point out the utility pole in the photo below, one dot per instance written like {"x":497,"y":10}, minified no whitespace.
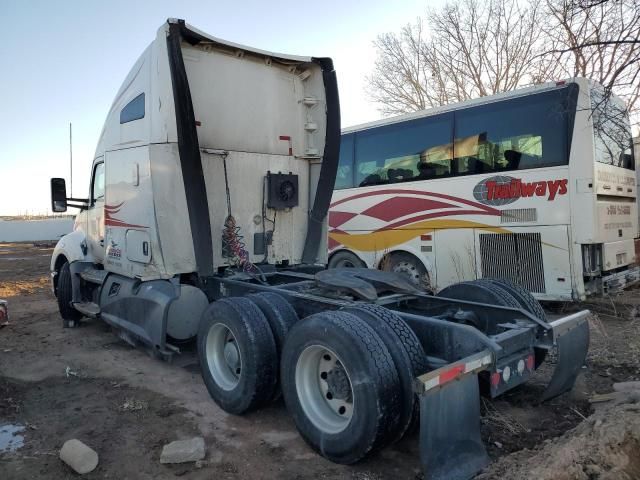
{"x":70,"y":163}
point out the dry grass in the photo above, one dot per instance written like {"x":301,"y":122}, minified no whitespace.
{"x":10,"y":289}
{"x":491,"y":415}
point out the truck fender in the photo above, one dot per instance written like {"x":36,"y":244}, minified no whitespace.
{"x":71,"y":248}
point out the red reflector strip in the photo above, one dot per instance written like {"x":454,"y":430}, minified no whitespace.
{"x":450,"y":374}
{"x":469,"y":365}
{"x":426,"y":237}
{"x":495,"y":379}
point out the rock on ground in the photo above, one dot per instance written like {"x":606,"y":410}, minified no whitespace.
{"x":182,"y":451}
{"x":78,"y":456}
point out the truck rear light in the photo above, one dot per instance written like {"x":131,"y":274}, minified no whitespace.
{"x":530,"y":362}
{"x":495,"y":379}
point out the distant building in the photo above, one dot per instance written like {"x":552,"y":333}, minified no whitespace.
{"x":18,"y":230}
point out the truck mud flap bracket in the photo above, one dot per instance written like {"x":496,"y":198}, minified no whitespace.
{"x":450,"y":444}
{"x":571,"y":338}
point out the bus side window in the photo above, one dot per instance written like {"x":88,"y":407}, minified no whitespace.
{"x":521,"y":133}
{"x":414,"y":150}
{"x":344,"y":175}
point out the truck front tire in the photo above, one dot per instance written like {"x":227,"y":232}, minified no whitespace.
{"x":70,"y":316}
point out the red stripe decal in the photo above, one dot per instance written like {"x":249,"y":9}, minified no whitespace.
{"x":426,"y":216}
{"x":396,"y":191}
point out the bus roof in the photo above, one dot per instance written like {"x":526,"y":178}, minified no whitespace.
{"x":464,"y":104}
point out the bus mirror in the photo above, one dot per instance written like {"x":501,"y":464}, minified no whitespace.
{"x":58,"y":195}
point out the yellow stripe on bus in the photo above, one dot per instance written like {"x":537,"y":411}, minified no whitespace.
{"x":383,"y":239}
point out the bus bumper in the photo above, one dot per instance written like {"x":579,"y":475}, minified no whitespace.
{"x":621,"y":280}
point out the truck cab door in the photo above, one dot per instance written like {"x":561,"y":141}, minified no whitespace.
{"x":95,"y":214}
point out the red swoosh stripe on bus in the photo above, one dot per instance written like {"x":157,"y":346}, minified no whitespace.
{"x":416,"y":192}
{"x":426,"y":216}
{"x":401,"y":206}
{"x":395,"y":207}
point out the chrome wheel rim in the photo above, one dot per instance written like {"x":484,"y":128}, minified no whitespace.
{"x":409,"y":270}
{"x":324,"y":389}
{"x":224,"y":358}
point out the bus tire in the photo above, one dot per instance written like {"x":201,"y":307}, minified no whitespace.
{"x":331,"y":362}
{"x":408,"y":265}
{"x":407,"y":353}
{"x":70,"y":316}
{"x":237,"y":355}
{"x":345,"y":259}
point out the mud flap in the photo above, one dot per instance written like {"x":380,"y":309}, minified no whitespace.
{"x":450,"y":444}
{"x":571,"y":338}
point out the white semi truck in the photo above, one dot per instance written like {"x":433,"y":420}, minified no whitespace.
{"x":206,"y":221}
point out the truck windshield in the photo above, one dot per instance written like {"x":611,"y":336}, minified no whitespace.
{"x":611,"y":130}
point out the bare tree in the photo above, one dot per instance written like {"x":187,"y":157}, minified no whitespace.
{"x":472,"y":48}
{"x":599,"y":39}
{"x":467,"y":49}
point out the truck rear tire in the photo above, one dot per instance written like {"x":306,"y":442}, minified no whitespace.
{"x":407,"y":353}
{"x":523,"y":296}
{"x":70,"y":316}
{"x":278,"y":312}
{"x":529,"y":304}
{"x":341,"y":386}
{"x":237,"y":355}
{"x":281,"y":317}
{"x":480,"y":291}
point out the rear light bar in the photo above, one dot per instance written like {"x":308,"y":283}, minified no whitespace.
{"x":441,"y":376}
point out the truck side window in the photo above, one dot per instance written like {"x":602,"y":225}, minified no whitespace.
{"x":134,"y":110}
{"x":97,"y":187}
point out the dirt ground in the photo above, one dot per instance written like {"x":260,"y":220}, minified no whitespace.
{"x":86,"y":383}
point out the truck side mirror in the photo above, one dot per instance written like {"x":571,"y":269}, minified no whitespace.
{"x":58,"y":195}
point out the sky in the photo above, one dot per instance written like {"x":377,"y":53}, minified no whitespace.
{"x":63,"y":61}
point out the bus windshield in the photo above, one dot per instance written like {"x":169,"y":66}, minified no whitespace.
{"x":611,"y":131}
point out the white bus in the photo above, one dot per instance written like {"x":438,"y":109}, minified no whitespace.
{"x":536,"y":186}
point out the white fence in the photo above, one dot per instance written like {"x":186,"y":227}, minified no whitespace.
{"x":34,"y":230}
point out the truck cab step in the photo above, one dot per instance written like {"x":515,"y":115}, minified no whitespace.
{"x":89,"y":309}
{"x":93,"y":275}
